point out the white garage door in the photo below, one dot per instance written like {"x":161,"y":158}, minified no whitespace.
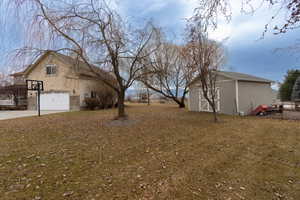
{"x":55,"y":101}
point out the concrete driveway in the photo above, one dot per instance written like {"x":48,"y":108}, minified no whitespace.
{"x":23,"y":113}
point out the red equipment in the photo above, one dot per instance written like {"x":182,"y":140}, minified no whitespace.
{"x":260,"y":110}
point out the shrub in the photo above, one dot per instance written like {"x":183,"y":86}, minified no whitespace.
{"x":107,"y":99}
{"x":102,"y":100}
{"x":92,"y":103}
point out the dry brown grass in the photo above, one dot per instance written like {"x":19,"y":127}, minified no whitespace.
{"x":169,"y":153}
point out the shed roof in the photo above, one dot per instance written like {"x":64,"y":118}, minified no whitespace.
{"x":243,"y":77}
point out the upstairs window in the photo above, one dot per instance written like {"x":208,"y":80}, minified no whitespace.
{"x":50,"y":69}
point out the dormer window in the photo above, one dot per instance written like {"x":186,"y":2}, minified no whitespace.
{"x":50,"y":69}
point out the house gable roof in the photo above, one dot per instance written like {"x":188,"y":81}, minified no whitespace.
{"x":81,"y":67}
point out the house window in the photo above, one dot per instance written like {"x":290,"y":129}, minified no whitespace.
{"x":50,"y":69}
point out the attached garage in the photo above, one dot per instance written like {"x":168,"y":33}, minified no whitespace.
{"x":55,"y":101}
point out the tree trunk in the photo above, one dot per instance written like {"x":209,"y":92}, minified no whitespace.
{"x":181,"y":105}
{"x":215,"y":113}
{"x":121,"y":105}
{"x":215,"y":116}
{"x":16,"y":100}
{"x":148,"y":96}
{"x":179,"y":102}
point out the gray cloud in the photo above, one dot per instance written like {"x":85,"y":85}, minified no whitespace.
{"x":269,"y":57}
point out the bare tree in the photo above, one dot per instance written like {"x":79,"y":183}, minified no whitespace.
{"x":206,"y":56}
{"x":93,"y":31}
{"x":5,"y":79}
{"x":167,"y":71}
{"x":209,"y":11}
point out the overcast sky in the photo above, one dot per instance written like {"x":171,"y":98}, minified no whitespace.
{"x":247,"y":53}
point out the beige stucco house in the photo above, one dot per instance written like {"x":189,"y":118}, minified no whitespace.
{"x":67,"y":82}
{"x":237,"y":93}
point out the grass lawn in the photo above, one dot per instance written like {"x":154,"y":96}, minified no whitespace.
{"x":163,"y":153}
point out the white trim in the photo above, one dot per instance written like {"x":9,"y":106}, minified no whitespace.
{"x":189,"y":100}
{"x":53,"y":67}
{"x":8,"y":102}
{"x":199,"y":96}
{"x":237,"y":96}
{"x":218,"y":101}
{"x":220,"y":81}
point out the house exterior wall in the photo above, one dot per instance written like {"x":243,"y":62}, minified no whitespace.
{"x":61,"y":81}
{"x":86,"y":86}
{"x":31,"y":103}
{"x":65,"y":80}
{"x":19,"y":80}
{"x":253,"y":94}
{"x":75,"y":102}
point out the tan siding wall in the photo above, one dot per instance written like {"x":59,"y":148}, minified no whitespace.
{"x":31,"y":103}
{"x":75,"y":102}
{"x":57,"y":82}
{"x":65,"y":80}
{"x":86,"y":86}
{"x":194,"y":98}
{"x":252,"y":94}
{"x":227,"y":97}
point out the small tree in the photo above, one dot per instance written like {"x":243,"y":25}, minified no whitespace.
{"x":206,"y":56}
{"x":286,"y":88}
{"x":4,"y":79}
